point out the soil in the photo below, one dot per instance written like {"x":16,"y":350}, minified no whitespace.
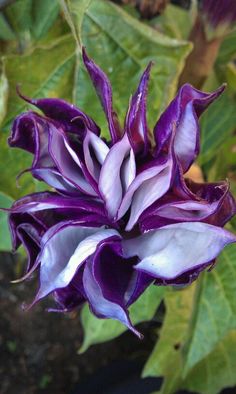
{"x":38,"y":350}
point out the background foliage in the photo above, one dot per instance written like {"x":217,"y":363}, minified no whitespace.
{"x":40,"y":45}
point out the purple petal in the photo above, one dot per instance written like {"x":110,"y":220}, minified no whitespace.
{"x":180,"y":121}
{"x":106,"y":277}
{"x":136,"y":122}
{"x":64,"y":249}
{"x":211,"y":203}
{"x":95,"y":153}
{"x":71,"y":118}
{"x":170,"y":251}
{"x":104,"y":92}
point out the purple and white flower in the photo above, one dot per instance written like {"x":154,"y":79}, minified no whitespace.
{"x":121,"y":216}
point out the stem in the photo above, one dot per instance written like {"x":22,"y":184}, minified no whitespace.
{"x":200,"y":62}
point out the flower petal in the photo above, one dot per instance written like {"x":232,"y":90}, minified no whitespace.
{"x":64,"y":249}
{"x":110,"y":182}
{"x":106,"y":277}
{"x":136,"y":122}
{"x":104,"y":92}
{"x":177,"y":248}
{"x":146,"y":188}
{"x":180,"y":120}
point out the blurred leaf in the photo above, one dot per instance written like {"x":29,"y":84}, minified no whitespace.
{"x":231,"y":76}
{"x":214,"y":313}
{"x":166,"y":352}
{"x":122,"y":46}
{"x":25,"y":20}
{"x":217,"y":125}
{"x":74,"y":11}
{"x":228,"y":49}
{"x":175,"y":22}
{"x":102,"y":330}
{"x":217,"y":370}
{"x":44,"y":72}
{"x":3,"y":94}
{"x":5,"y":239}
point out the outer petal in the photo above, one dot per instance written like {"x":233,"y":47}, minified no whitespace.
{"x":106,"y":278}
{"x":71,"y":118}
{"x":170,"y":251}
{"x":136,"y":122}
{"x":211,"y":203}
{"x":181,"y":120}
{"x":64,"y":249}
{"x":104,"y":92}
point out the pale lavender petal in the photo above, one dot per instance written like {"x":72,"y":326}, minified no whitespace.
{"x":95,"y":153}
{"x":110,"y":182}
{"x":177,"y":248}
{"x":146,"y":188}
{"x":64,"y":249}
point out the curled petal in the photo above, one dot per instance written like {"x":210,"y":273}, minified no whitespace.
{"x":104,"y":92}
{"x":71,"y":118}
{"x":106,"y":277}
{"x":211,"y":203}
{"x":170,"y":251}
{"x":180,"y":123}
{"x":64,"y":248}
{"x":136,"y":121}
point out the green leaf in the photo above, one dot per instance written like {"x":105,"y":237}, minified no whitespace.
{"x":74,"y":11}
{"x":3,"y":94}
{"x":27,"y":20}
{"x":217,"y":125}
{"x":51,"y":75}
{"x":5,"y":239}
{"x":227,"y":50}
{"x":102,"y":330}
{"x":122,"y":46}
{"x":216,"y":371}
{"x":214,"y":314}
{"x":166,"y":352}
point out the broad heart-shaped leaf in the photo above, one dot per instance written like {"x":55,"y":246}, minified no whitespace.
{"x":214,"y":313}
{"x":5,"y":239}
{"x":210,"y":375}
{"x":122,"y":46}
{"x":166,"y":352}
{"x":217,"y":125}
{"x":102,"y":330}
{"x":46,"y":72}
{"x":216,"y":371}
{"x":27,"y":19}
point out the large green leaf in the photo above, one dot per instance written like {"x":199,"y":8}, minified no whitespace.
{"x":101,"y":330}
{"x":211,"y":374}
{"x":47,"y":71}
{"x":217,"y":125}
{"x":27,"y":19}
{"x":214,"y":314}
{"x":216,"y":371}
{"x":166,"y":352}
{"x":5,"y":239}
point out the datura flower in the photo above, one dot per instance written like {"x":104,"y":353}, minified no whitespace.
{"x":120,"y":215}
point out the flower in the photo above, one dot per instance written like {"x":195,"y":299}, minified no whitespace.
{"x":219,"y":16}
{"x":122,"y":216}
